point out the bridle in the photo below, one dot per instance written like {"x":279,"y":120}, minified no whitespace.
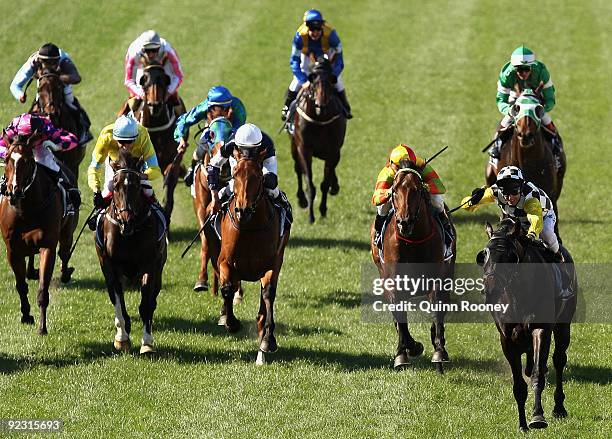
{"x":310,"y":95}
{"x":411,"y":220}
{"x":18,"y":195}
{"x":249,"y":210}
{"x":60,"y":92}
{"x":115,"y":215}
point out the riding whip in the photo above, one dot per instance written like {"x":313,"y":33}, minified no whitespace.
{"x":81,"y":232}
{"x":461,"y":205}
{"x":195,"y":238}
{"x":436,"y":154}
{"x":489,"y":145}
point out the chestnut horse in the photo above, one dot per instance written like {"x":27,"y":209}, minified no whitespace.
{"x":251,"y":249}
{"x":530,"y":149}
{"x":156,"y":113}
{"x":32,"y":221}
{"x":131,"y":243}
{"x":413,"y":237}
{"x":320,"y":126}
{"x":506,"y":282}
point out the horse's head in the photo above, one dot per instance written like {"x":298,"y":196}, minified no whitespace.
{"x":154,"y":81}
{"x":20,"y":167}
{"x":322,"y":83}
{"x":527,"y":112}
{"x":248,"y":183}
{"x":50,"y":92}
{"x":128,"y":203}
{"x":501,"y":254}
{"x":408,"y":194}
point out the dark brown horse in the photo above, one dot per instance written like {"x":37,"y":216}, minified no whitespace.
{"x":530,"y":149}
{"x":251,"y":249}
{"x":32,"y":221}
{"x":413,"y":237}
{"x":506,"y":261}
{"x":157,"y":114}
{"x":131,"y":243}
{"x":51,"y":102}
{"x":320,"y":126}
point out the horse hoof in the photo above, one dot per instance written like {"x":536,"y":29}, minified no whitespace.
{"x":42,"y":331}
{"x":222,"y":320}
{"x":261,"y":359}
{"x":334,"y":189}
{"x":559,"y":412}
{"x":416,"y":350}
{"x":311,"y":219}
{"x":200,"y":285}
{"x":538,"y":421}
{"x":323,"y":212}
{"x":302,"y":202}
{"x":28,"y":320}
{"x":237,"y":298}
{"x":233,"y":325}
{"x":269,"y":345}
{"x":147,"y":349}
{"x":67,"y":275}
{"x":440,"y":356}
{"x":400,"y":361}
{"x":122,"y":346}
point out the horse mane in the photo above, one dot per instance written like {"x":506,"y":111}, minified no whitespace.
{"x":408,"y":164}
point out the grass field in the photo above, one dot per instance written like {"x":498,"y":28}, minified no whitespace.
{"x":422,"y":73}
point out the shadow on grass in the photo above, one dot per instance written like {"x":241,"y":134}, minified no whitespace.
{"x":183,"y":235}
{"x":78,"y":283}
{"x":345,"y":244}
{"x":345,"y":299}
{"x":588,"y":374}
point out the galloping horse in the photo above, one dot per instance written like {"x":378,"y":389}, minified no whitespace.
{"x":155,"y":113}
{"x":32,"y":221}
{"x":220,"y":130}
{"x":413,"y":237}
{"x":530,"y":149}
{"x":50,"y":101}
{"x":502,"y":261}
{"x":131,"y":242}
{"x":320,"y":126}
{"x":252,"y":248}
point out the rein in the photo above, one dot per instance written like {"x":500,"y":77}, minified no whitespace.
{"x":113,"y":219}
{"x":309,"y":96}
{"x":253,"y":207}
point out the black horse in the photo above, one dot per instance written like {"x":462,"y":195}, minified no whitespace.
{"x":518,"y":274}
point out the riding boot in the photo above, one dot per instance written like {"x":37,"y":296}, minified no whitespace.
{"x":189,"y":176}
{"x":501,"y":136}
{"x":93,"y":222}
{"x":291,"y":95}
{"x":449,"y":235}
{"x":73,"y":194}
{"x":556,"y":144}
{"x":282,"y":201}
{"x":345,"y":104}
{"x":379,"y":222}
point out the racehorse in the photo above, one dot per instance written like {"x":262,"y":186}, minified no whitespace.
{"x":413,"y":237}
{"x":506,"y":260}
{"x":156,"y":113}
{"x":530,"y":149}
{"x":50,"y":101}
{"x":32,"y":221}
{"x":131,"y":242}
{"x":320,"y":126}
{"x":251,"y":248}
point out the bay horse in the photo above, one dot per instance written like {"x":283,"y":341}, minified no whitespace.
{"x":320,"y":127}
{"x":220,"y":130}
{"x":157,"y":115}
{"x":413,"y":237}
{"x":507,"y":282}
{"x":32,"y":221}
{"x":130,"y":242}
{"x":251,"y":248}
{"x":530,"y":149}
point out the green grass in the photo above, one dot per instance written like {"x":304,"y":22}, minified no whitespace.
{"x":419,"y":73}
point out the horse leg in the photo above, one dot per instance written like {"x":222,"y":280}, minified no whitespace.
{"x":541,"y":346}
{"x":18,"y":265}
{"x":306,"y":157}
{"x":519,"y":387}
{"x":437,"y":334}
{"x":407,"y":347}
{"x":170,"y":182}
{"x":148,"y":302}
{"x":65,"y":243}
{"x":202,"y":283}
{"x":329,"y":176}
{"x":268,"y":295}
{"x":228,"y":289}
{"x":562,"y":341}
{"x":297,"y":166}
{"x":32,"y":272}
{"x":123,"y":322}
{"x":47,"y":261}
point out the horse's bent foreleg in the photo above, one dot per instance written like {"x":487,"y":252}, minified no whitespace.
{"x":541,"y":346}
{"x":562,"y":341}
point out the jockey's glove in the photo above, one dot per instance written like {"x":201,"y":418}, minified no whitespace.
{"x":270,"y":180}
{"x":477,"y":195}
{"x":532,"y":236}
{"x":98,"y":200}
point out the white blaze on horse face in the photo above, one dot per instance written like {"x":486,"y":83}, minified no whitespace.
{"x":121,"y":334}
{"x":16,"y":157}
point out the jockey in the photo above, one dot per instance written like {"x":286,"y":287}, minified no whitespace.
{"x":219,"y":102}
{"x":149,"y":46}
{"x":384,"y":182}
{"x":49,"y":56}
{"x":315,"y":36}
{"x":128,"y":134}
{"x":524,"y":72}
{"x":248,"y":138}
{"x":49,"y":139}
{"x":523,"y":201}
